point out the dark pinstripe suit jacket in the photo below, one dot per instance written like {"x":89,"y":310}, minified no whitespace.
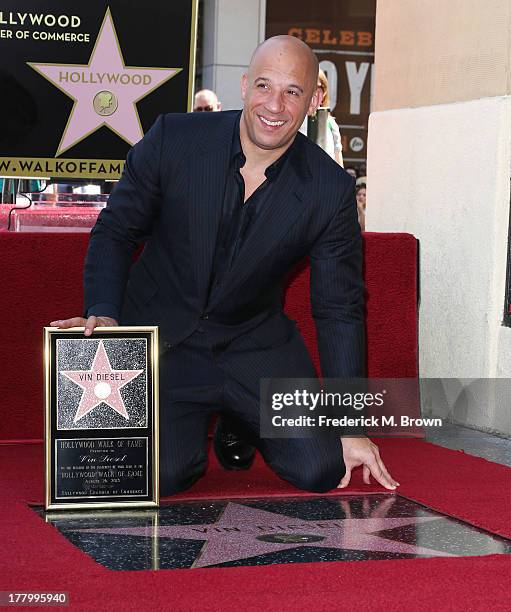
{"x":170,"y":197}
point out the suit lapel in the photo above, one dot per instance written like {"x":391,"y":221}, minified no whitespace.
{"x":208,"y":171}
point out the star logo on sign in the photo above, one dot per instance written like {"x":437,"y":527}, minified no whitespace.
{"x":105,"y":91}
{"x":101,"y":384}
{"x":242,"y":532}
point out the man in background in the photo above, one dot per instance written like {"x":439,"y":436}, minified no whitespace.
{"x":206,"y":101}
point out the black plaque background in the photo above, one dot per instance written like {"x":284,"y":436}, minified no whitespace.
{"x":134,"y":455}
{"x":151,"y":34}
{"x":85,"y":434}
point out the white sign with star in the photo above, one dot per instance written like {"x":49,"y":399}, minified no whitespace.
{"x":105,"y":91}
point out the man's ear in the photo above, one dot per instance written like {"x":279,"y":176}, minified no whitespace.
{"x":317,"y":98}
{"x":244,"y":86}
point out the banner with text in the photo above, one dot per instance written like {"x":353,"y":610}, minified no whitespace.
{"x":342,"y":36}
{"x":82,"y":83}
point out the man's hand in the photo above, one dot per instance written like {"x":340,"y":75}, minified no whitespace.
{"x":361,"y":451}
{"x":89,"y":323}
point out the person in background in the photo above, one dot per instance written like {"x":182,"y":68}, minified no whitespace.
{"x":334,"y":146}
{"x":351,"y":171}
{"x":206,"y":101}
{"x":361,"y":205}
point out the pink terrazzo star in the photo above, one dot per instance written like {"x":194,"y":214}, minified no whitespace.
{"x":101,"y":384}
{"x":104,"y":90}
{"x":234,"y":535}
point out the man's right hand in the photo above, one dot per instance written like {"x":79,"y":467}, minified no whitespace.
{"x":89,"y":323}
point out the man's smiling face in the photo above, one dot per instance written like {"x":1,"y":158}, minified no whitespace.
{"x":278,"y":91}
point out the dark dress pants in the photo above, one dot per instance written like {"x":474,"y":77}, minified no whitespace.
{"x":198,"y":379}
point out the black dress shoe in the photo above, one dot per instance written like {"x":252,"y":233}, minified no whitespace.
{"x":231,"y":450}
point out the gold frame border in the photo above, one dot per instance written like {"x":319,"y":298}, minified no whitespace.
{"x":193,"y":53}
{"x":154,"y":351}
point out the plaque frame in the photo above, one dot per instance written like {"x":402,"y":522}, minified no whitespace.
{"x":144,"y":432}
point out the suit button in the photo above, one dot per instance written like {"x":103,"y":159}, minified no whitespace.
{"x":167,"y":345}
{"x":205,"y":317}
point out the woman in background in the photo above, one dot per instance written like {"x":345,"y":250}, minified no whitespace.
{"x":361,"y":205}
{"x":334,"y":145}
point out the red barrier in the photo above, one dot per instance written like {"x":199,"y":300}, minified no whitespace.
{"x":42,"y":280}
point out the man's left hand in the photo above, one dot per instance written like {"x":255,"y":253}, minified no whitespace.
{"x":361,"y":451}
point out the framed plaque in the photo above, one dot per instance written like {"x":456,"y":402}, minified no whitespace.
{"x":101,"y":417}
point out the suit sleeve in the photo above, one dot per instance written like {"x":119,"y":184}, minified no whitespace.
{"x":126,"y":221}
{"x":337,"y":292}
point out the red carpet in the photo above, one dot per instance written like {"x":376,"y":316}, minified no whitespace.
{"x":35,"y":556}
{"x":41,"y":282}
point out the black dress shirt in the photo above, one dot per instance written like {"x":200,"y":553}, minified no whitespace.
{"x":238,"y":215}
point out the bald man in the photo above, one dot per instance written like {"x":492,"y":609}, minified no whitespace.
{"x":207,"y":101}
{"x":226,"y":204}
